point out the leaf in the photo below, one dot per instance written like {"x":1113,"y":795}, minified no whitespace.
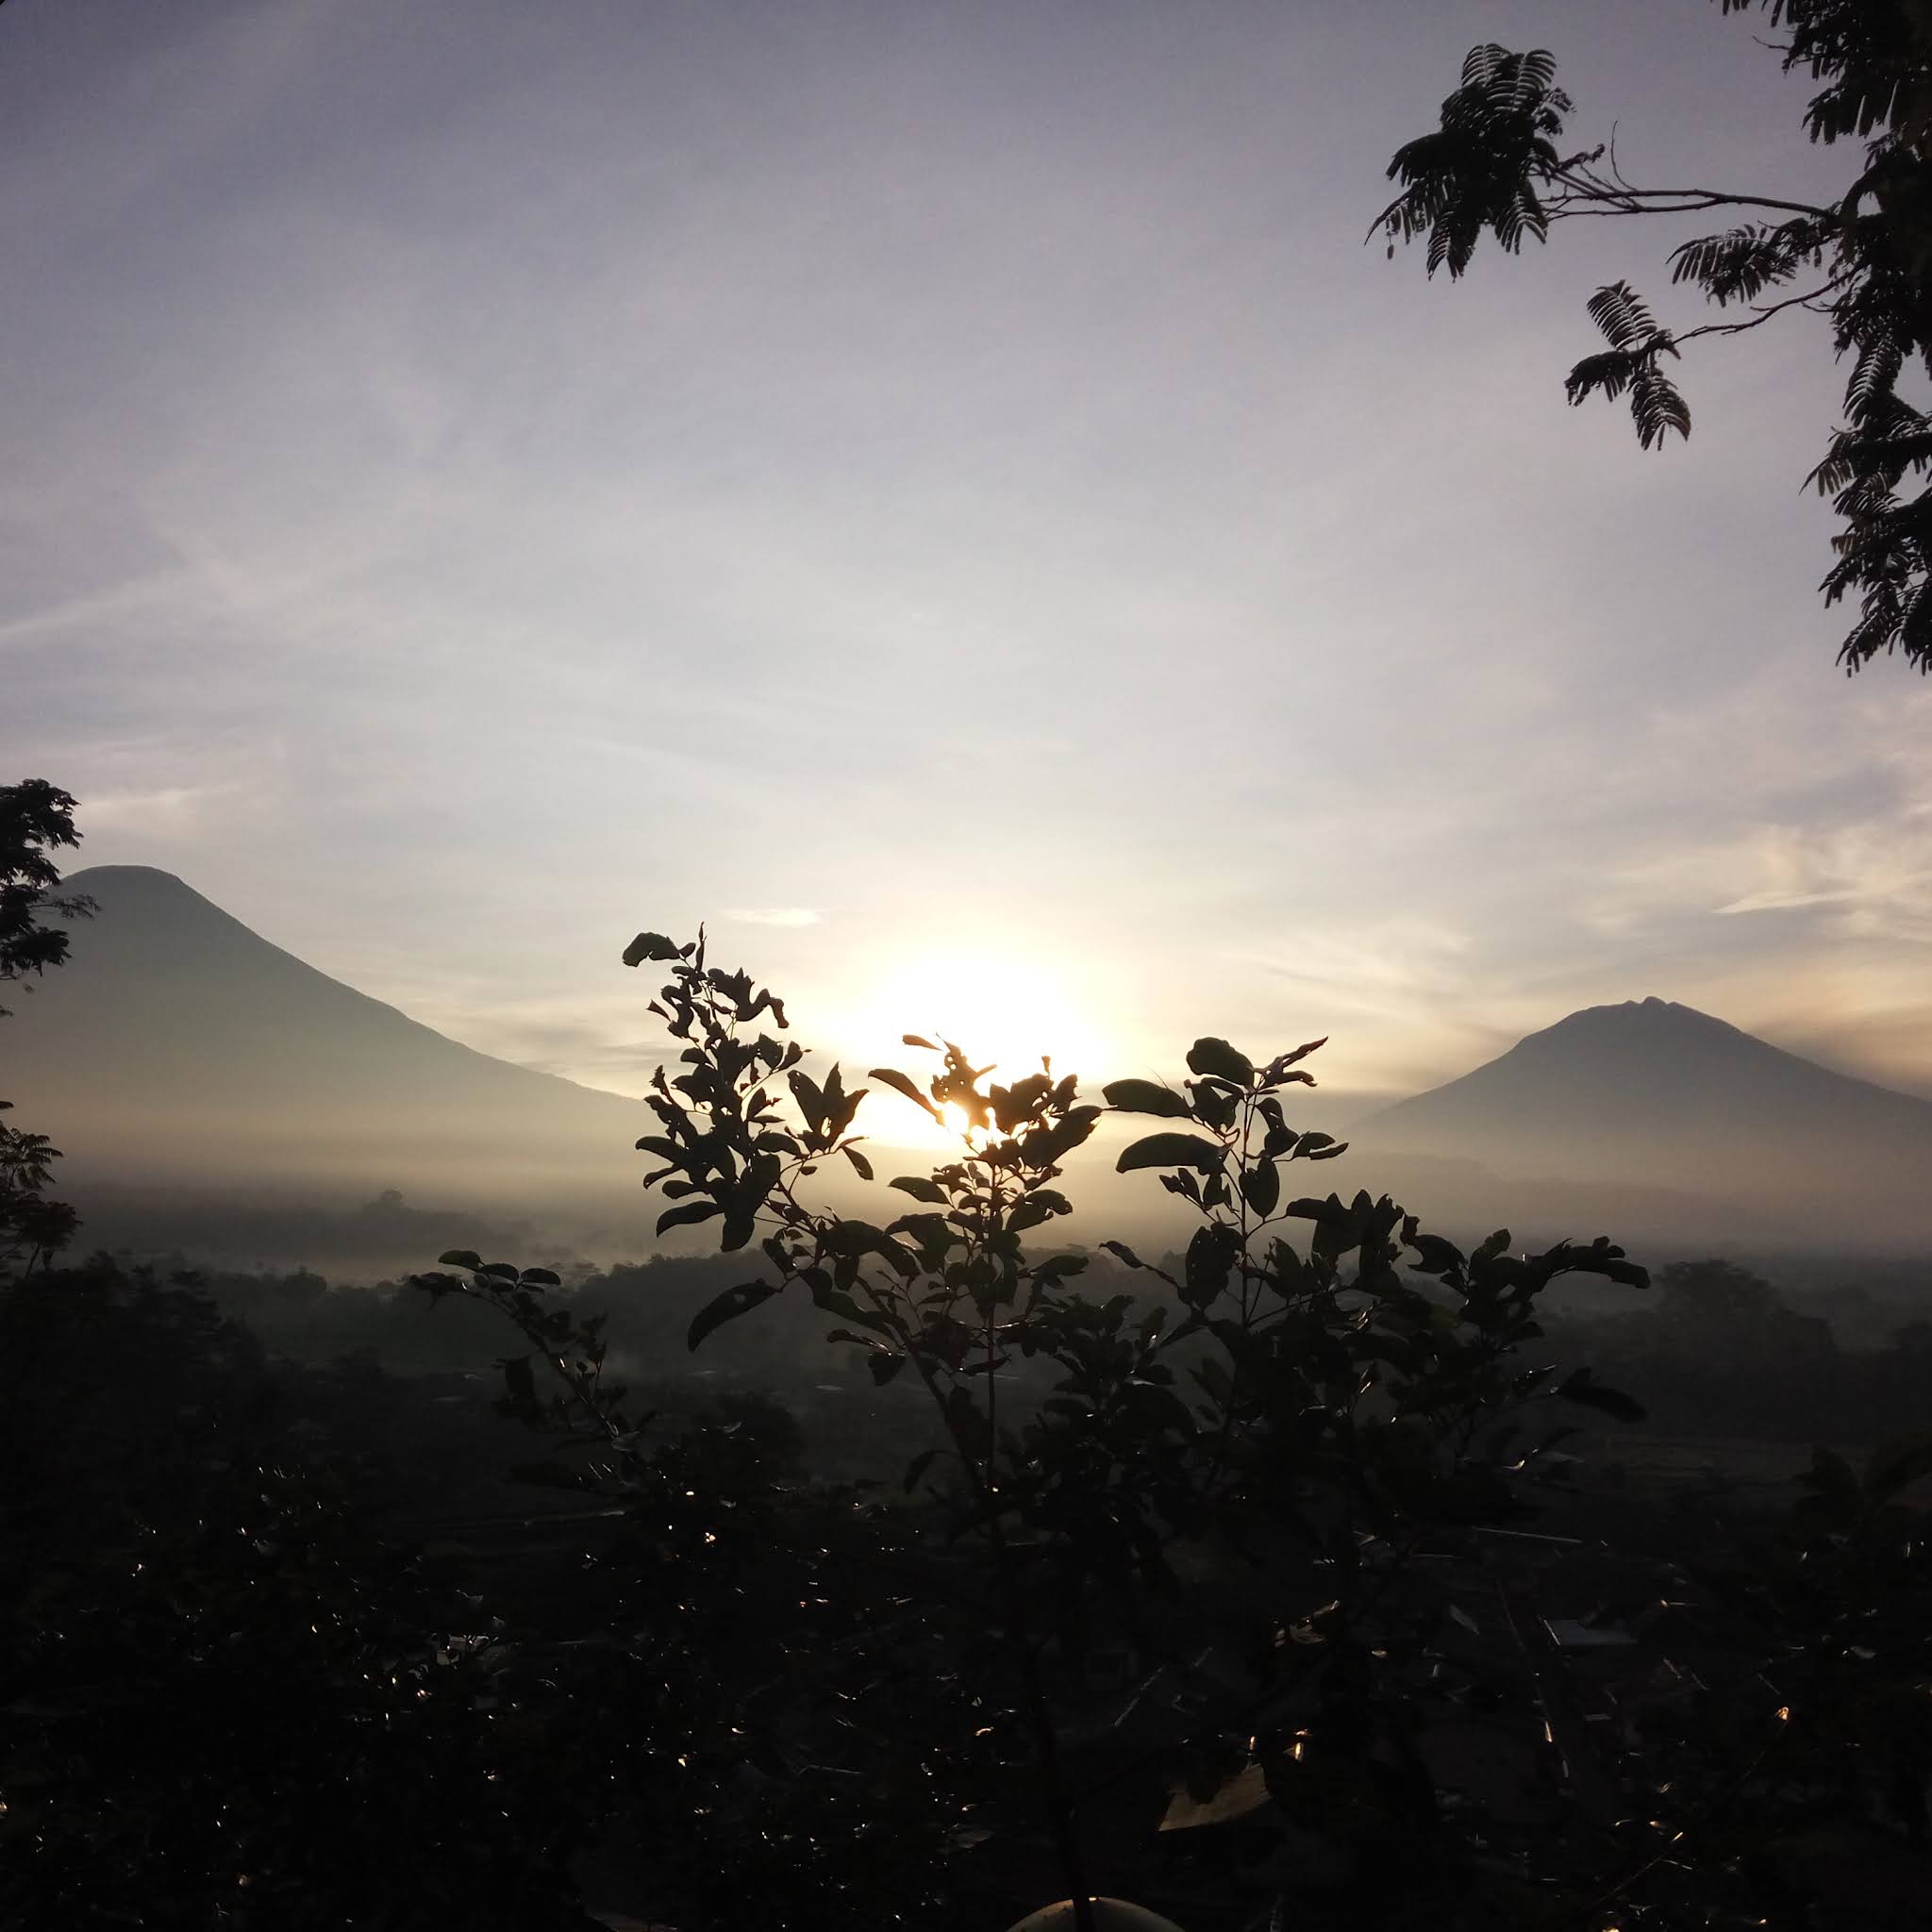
{"x":1041,"y":1205}
{"x":461,"y":1258}
{"x":920,"y":1188}
{"x":1611,"y":371}
{"x":1896,"y":1463}
{"x":1261,"y":1187}
{"x":861,"y":1165}
{"x":649,"y":945}
{"x":1145,"y":1096}
{"x":1278,"y":1066}
{"x":855,"y":1238}
{"x":1059,"y":1267}
{"x":914,"y":1040}
{"x":1740,"y":264}
{"x":1582,"y":1387}
{"x":1171,"y":1150}
{"x":1213,"y":1375}
{"x":1211,"y":1055}
{"x":541,"y":1277}
{"x":1120,"y":1252}
{"x":1656,"y":406}
{"x":1621,"y":313}
{"x":689,"y":1215}
{"x":899,"y":1083}
{"x":1210,"y":1259}
{"x":917,"y":1468}
{"x":728,"y":1306}
{"x":1436,"y":1255}
{"x":809,"y":1097}
{"x":500,"y":1271}
{"x":1605,"y":1258}
{"x":884,"y":1367}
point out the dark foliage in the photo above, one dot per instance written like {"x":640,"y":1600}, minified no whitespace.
{"x":1291,"y":1423}
{"x":1863,"y":261}
{"x":229,"y":1703}
{"x":36,"y":819}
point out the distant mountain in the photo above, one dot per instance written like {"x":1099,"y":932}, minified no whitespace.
{"x":1654,"y":1095}
{"x":177,"y":1047}
{"x":213,"y":1093}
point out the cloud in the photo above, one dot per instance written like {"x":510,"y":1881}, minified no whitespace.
{"x":775,"y":915}
{"x":426,"y":556}
{"x":178,"y":811}
{"x":1869,"y":880}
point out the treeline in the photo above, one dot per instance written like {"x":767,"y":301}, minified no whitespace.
{"x":301,"y":1315}
{"x":1715,"y":1349}
{"x":240,"y":1692}
{"x":1719,"y":1351}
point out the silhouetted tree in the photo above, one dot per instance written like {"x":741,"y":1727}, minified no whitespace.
{"x":36,"y":819}
{"x":1301,"y":1416}
{"x":1863,"y":261}
{"x":228,"y":1703}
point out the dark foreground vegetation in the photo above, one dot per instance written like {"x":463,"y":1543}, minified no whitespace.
{"x":1272,"y":1583}
{"x":1301,"y":1578}
{"x":1265,"y":1584}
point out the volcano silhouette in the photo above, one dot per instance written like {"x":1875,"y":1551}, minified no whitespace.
{"x":1651,"y":1093}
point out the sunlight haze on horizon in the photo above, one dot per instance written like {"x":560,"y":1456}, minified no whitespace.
{"x":944,"y":495}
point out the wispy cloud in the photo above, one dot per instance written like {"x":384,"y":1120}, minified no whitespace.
{"x":775,"y":915}
{"x":178,"y":811}
{"x":484,"y":479}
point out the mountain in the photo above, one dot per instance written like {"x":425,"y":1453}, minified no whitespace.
{"x":1657,"y":1096}
{"x":215,"y":1094}
{"x":179,"y":1050}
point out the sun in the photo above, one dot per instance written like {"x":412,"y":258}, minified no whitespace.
{"x":1003,"y":1013}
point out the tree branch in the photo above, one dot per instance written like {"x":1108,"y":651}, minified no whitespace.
{"x":1764,"y":312}
{"x":1662,"y":201}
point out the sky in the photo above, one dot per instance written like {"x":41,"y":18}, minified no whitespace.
{"x":944,"y":494}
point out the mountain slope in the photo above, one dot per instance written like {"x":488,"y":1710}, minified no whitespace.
{"x":176,"y":1044}
{"x":1652,"y":1093}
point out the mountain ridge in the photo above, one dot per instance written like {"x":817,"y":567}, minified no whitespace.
{"x":122,"y":882}
{"x":178,"y":1046}
{"x":1661,"y":1094}
{"x":177,"y":1040}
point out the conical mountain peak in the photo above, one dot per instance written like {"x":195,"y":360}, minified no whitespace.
{"x":177,"y":1040}
{"x":1655,"y":1093}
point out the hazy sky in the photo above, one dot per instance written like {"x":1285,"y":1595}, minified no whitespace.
{"x":942,"y":492}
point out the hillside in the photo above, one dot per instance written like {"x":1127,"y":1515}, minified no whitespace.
{"x":1650,"y":1094}
{"x":179,"y":1050}
{"x":215,"y":1093}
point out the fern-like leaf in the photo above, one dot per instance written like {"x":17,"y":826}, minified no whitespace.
{"x":1742,"y":263}
{"x":1656,"y":405}
{"x":1621,"y":313}
{"x":1481,"y":168}
{"x":1610,"y":373}
{"x":1915,"y":622}
{"x":1874,"y":377}
{"x":1481,"y":64}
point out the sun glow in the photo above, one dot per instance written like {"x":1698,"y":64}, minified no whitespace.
{"x":1006,"y":1014}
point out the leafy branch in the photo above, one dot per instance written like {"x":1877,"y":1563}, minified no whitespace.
{"x":1496,"y":166}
